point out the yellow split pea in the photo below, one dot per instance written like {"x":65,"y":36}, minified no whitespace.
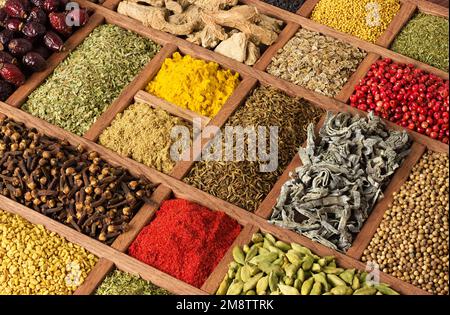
{"x":194,"y":84}
{"x":34,"y":260}
{"x":366,"y":19}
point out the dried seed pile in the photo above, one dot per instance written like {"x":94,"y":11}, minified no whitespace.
{"x":269,"y":266}
{"x":412,"y":241}
{"x":83,"y":86}
{"x":343,"y":175}
{"x":67,"y":183}
{"x":122,"y":283}
{"x":317,"y":62}
{"x":143,"y":134}
{"x":185,"y":240}
{"x":366,"y":19}
{"x":242,"y":183}
{"x":289,"y":5}
{"x":425,"y":38}
{"x":34,"y":260}
{"x":194,"y":84}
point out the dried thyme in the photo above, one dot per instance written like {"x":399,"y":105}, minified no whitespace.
{"x":242,"y":183}
{"x":425,"y":38}
{"x":87,"y":82}
{"x":121,"y":283}
{"x":317,"y":62}
{"x":342,"y":177}
{"x":143,"y":134}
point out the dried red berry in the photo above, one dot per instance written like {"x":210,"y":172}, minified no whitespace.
{"x":77,"y":17}
{"x":34,"y":61}
{"x":15,"y":9}
{"x":34,"y":29}
{"x":12,"y":74}
{"x":19,"y":46}
{"x":51,"y":5}
{"x":53,"y":41}
{"x":58,"y":22}
{"x":7,"y":58}
{"x":14,"y":24}
{"x":5,"y":36}
{"x":37,"y":15}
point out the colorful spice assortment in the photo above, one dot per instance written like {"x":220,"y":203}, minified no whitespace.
{"x":28,"y":35}
{"x":412,"y":240}
{"x":407,"y":96}
{"x":81,"y":88}
{"x":122,"y":283}
{"x":242,"y":183}
{"x":317,"y":62}
{"x":194,"y":84}
{"x":67,"y":183}
{"x":236,"y":31}
{"x":330,"y":196}
{"x":425,"y":38}
{"x":185,"y":240}
{"x":366,"y":19}
{"x":143,"y":134}
{"x":289,"y":5}
{"x":34,"y":260}
{"x":269,"y":266}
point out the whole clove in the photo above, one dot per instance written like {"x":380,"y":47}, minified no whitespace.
{"x":67,"y":183}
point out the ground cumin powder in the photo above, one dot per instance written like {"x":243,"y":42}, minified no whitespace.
{"x":143,"y":134}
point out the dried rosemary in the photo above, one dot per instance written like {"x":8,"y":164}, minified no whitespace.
{"x":83,"y":86}
{"x":317,"y":62}
{"x":242,"y":183}
{"x":121,"y":283}
{"x":425,"y":38}
{"x":343,"y":175}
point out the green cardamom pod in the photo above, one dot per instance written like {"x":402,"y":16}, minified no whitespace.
{"x":238,"y":274}
{"x":231,"y":273}
{"x":347,"y":276}
{"x":270,"y":257}
{"x":301,"y":249}
{"x":288,"y":290}
{"x":273,"y":281}
{"x":238,"y":255}
{"x":283,"y":246}
{"x":267,"y":243}
{"x":298,"y":284}
{"x":316,"y":289}
{"x":335,"y":280}
{"x":251,"y":253}
{"x":365,"y":291}
{"x":245,"y":249}
{"x":341,"y":290}
{"x":316,"y":268}
{"x":245,"y":273}
{"x":332,"y":264}
{"x":288,"y":281}
{"x":307,"y":286}
{"x":383,"y":288}
{"x":332,"y":270}
{"x":293,"y":258}
{"x":235,"y":288}
{"x":322,"y":278}
{"x":268,"y":268}
{"x":322,"y":262}
{"x":250,"y":292}
{"x":257,"y":238}
{"x":251,"y":283}
{"x":356,"y":284}
{"x":291,"y":270}
{"x":301,"y":275}
{"x":262,"y":285}
{"x":253,"y":269}
{"x":223,"y":287}
{"x":307,"y":262}
{"x":262,"y":251}
{"x":270,"y":237}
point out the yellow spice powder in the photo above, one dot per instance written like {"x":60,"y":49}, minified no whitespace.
{"x":143,"y":134}
{"x":34,"y":260}
{"x":194,"y":84}
{"x":366,"y":19}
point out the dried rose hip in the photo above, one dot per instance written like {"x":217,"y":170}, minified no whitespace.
{"x":33,"y":29}
{"x":78,"y":17}
{"x":6,"y":89}
{"x":14,"y":24}
{"x":12,"y":74}
{"x":5,"y":36}
{"x":7,"y":58}
{"x":37,"y":15}
{"x":51,"y":5}
{"x":19,"y":46}
{"x":15,"y":9}
{"x":34,"y":61}
{"x":58,"y":22}
{"x":53,"y":41}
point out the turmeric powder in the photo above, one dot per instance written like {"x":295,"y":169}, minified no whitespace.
{"x":194,"y":84}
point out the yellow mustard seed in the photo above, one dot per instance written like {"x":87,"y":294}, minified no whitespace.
{"x":34,"y":260}
{"x":366,"y":19}
{"x":194,"y":84}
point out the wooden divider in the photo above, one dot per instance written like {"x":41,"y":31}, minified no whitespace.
{"x":171,"y":185}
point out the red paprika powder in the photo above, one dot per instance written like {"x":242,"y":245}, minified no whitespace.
{"x":185,"y":240}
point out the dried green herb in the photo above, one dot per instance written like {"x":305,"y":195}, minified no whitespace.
{"x":83,"y":86}
{"x":121,"y":283}
{"x":143,"y":134}
{"x":317,"y":62}
{"x":331,"y":195}
{"x":425,"y":38}
{"x":242,"y":183}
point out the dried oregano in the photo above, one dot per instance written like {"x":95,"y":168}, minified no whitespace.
{"x":242,"y":183}
{"x":316,"y":62}
{"x":425,"y":38}
{"x":343,"y":175}
{"x":121,"y":283}
{"x":143,"y":134}
{"x":83,"y":86}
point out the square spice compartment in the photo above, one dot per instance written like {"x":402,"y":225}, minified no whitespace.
{"x":365,"y":19}
{"x":85,"y":84}
{"x":242,"y":182}
{"x":341,"y":174}
{"x":317,"y":62}
{"x":185,"y":240}
{"x":411,"y":242}
{"x":34,"y":260}
{"x":237,"y":31}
